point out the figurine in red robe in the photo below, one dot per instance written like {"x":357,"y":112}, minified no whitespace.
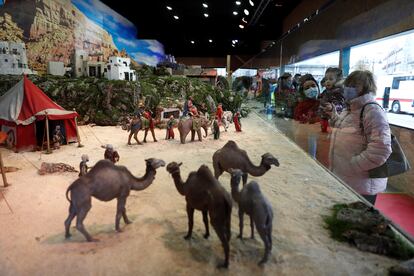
{"x":236,"y":120}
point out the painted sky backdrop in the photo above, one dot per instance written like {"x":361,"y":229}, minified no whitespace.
{"x":123,"y":32}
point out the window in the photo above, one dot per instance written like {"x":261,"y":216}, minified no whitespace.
{"x":126,"y":65}
{"x":6,"y":60}
{"x":14,"y":51}
{"x":81,"y":56}
{"x":109,"y":67}
{"x":79,"y":70}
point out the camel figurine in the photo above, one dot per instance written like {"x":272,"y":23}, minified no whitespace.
{"x":106,"y":181}
{"x":185,"y":125}
{"x":204,"y":193}
{"x":252,"y":202}
{"x":231,"y":156}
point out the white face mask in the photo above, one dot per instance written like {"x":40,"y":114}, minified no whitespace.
{"x":311,"y":92}
{"x":350,"y":93}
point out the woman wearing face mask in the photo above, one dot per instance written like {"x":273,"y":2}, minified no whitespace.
{"x":306,"y":110}
{"x":353,"y":151}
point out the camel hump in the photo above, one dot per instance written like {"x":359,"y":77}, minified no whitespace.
{"x":231,"y":144}
{"x":205,"y":172}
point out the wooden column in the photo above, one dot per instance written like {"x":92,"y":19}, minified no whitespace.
{"x":47,"y":134}
{"x":3,"y":138}
{"x":77,"y":131}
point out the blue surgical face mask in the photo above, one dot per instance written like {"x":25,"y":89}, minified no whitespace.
{"x":311,"y":92}
{"x":350,"y":93}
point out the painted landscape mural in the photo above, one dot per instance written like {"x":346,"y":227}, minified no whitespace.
{"x":54,"y":29}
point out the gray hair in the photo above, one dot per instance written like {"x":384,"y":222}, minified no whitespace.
{"x":85,"y":158}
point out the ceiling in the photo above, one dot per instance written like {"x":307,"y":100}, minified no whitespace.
{"x":189,"y":35}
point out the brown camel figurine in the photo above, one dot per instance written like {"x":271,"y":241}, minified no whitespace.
{"x":106,"y":181}
{"x":203,"y":192}
{"x":231,"y":156}
{"x":252,"y":202}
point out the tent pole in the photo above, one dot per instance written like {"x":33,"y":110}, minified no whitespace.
{"x":3,"y":172}
{"x":47,"y":134}
{"x":77,"y":131}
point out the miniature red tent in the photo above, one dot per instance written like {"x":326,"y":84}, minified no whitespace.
{"x":23,"y":109}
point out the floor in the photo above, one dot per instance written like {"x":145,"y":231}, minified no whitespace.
{"x":310,"y":138}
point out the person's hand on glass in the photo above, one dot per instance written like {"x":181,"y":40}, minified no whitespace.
{"x":329,"y":109}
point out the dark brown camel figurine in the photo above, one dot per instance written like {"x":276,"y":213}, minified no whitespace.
{"x":231,"y":156}
{"x":252,"y":202}
{"x":203,"y":192}
{"x":106,"y":181}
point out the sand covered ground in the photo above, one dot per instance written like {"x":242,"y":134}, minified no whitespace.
{"x":300,"y":191}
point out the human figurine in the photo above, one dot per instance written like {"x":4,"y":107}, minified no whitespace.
{"x":83,"y":167}
{"x":170,"y":128}
{"x":111,"y":154}
{"x":57,"y":138}
{"x":219,"y":113}
{"x":135,"y":127}
{"x":187,"y":105}
{"x":147,"y":115}
{"x":236,"y":120}
{"x":216,"y":128}
{"x":193,"y":111}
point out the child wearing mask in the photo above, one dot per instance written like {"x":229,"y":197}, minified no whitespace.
{"x":333,"y":94}
{"x":306,"y":109}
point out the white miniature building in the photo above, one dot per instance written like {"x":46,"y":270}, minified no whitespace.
{"x":13,"y":59}
{"x":118,"y":68}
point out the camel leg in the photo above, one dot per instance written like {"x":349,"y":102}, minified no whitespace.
{"x":124,"y":215}
{"x":266,"y":235}
{"x":129,"y":138}
{"x":136,"y":138}
{"x":240,"y":224}
{"x":190,"y":215}
{"x":205,"y":220}
{"x":68,"y":221}
{"x":120,"y":211}
{"x":81,"y":215}
{"x":251,"y":227}
{"x":221,"y":233}
{"x":145,"y":135}
{"x":192,"y":135}
{"x":153,"y":135}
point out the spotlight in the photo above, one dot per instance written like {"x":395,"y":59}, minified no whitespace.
{"x":238,"y":3}
{"x":205,"y":5}
{"x":210,"y":40}
{"x":176,"y":17}
{"x":192,"y":41}
{"x":241,"y":26}
{"x":244,"y":20}
{"x":251,"y":3}
{"x":246,"y":12}
{"x":206,"y":15}
{"x":169,"y":8}
{"x":235,"y":13}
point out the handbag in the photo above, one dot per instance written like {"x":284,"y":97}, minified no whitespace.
{"x":396,"y":163}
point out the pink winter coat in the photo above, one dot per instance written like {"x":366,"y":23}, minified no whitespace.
{"x":353,"y":152}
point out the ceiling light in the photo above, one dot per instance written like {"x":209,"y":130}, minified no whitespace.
{"x":233,"y":45}
{"x":235,"y":13}
{"x":169,"y":8}
{"x":241,"y":26}
{"x":176,"y":17}
{"x":238,"y":3}
{"x":244,"y":20}
{"x":205,"y":5}
{"x":278,"y":5}
{"x":206,"y":15}
{"x":192,"y":41}
{"x":251,"y":3}
{"x":246,"y":12}
{"x":210,"y":40}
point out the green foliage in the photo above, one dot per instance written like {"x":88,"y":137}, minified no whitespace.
{"x":336,"y":226}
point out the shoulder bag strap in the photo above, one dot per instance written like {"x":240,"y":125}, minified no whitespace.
{"x":361,"y":115}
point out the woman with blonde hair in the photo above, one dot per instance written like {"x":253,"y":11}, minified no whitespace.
{"x":359,"y":145}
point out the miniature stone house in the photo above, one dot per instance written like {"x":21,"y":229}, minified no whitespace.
{"x":87,"y":64}
{"x":13,"y":59}
{"x":118,"y":68}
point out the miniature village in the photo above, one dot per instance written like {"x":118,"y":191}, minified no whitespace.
{"x":110,"y":167}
